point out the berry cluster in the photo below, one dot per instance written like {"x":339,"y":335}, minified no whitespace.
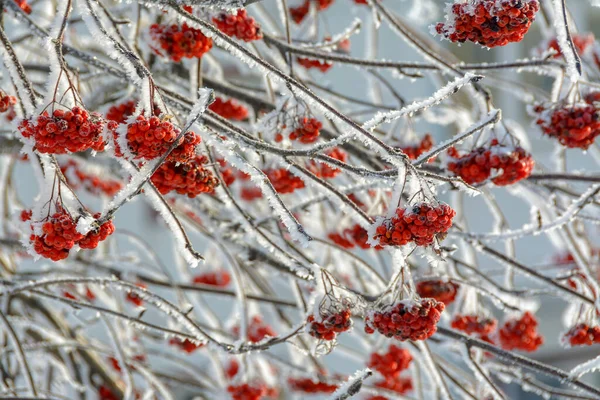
{"x":477,"y":166}
{"x":309,"y":63}
{"x":180,"y":42}
{"x":227,"y":173}
{"x":581,"y":42}
{"x":185,"y":345}
{"x":474,"y":324}
{"x":63,"y":132}
{"x":218,"y":278}
{"x":490,"y":23}
{"x":352,"y":237}
{"x":400,"y":385}
{"x":150,"y":138}
{"x":257,"y":330}
{"x":442,"y":291}
{"x":520,"y":334}
{"x":421,"y":224}
{"x":229,"y":109}
{"x":189,"y":178}
{"x":134,"y":298}
{"x":325,"y":171}
{"x":120,"y":112}
{"x":307,"y":131}
{"x":284,"y":181}
{"x":299,"y":13}
{"x":407,"y":320}
{"x":391,"y":363}
{"x":307,"y":385}
{"x":575,"y":125}
{"x":329,"y":326}
{"x":414,"y":152}
{"x":246,"y":391}
{"x":59,"y":235}
{"x":90,"y":182}
{"x":250,"y":193}
{"x":7,"y":102}
{"x":241,"y":26}
{"x":582,"y":335}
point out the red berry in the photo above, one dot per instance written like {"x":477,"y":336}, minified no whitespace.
{"x":391,"y":363}
{"x":59,"y":235}
{"x":77,"y":177}
{"x":575,"y":126}
{"x":218,"y":278}
{"x":442,"y":291}
{"x":240,"y":26}
{"x":581,"y":42}
{"x":229,"y":109}
{"x":134,"y":298}
{"x":307,"y":131}
{"x":257,"y":330}
{"x":190,"y":178}
{"x":185,"y":345}
{"x":414,"y":152}
{"x":246,"y":391}
{"x":308,"y":63}
{"x":120,"y":112}
{"x":178,"y":42}
{"x":474,"y":324}
{"x":283,"y":181}
{"x":520,"y":334}
{"x":582,"y":335}
{"x":23,"y":5}
{"x":329,"y":326}
{"x":351,"y":237}
{"x":307,"y":385}
{"x":91,"y":240}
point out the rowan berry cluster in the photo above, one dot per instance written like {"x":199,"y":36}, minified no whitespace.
{"x":309,"y":63}
{"x":250,"y":193}
{"x":582,"y":44}
{"x":257,"y":330}
{"x":7,"y":102}
{"x":582,"y":335}
{"x":352,"y":237}
{"x":185,"y":345}
{"x":307,"y":385}
{"x":246,"y":391}
{"x":218,"y":278}
{"x":477,"y":166}
{"x":400,"y":385}
{"x":490,"y":23}
{"x":178,"y":42}
{"x":414,"y":152}
{"x":406,"y":320}
{"x":574,"y":125}
{"x":190,"y":178}
{"x":229,"y":109}
{"x":442,"y":291}
{"x":421,"y":224}
{"x":391,"y":363}
{"x":520,"y":334}
{"x":307,"y":130}
{"x":120,"y":112}
{"x":474,"y":324}
{"x":59,"y":235}
{"x":330,"y":326}
{"x":150,"y":138}
{"x":323,"y":170}
{"x":64,"y":131}
{"x":284,"y":181}
{"x":299,"y":13}
{"x":241,"y":26}
{"x":90,"y":182}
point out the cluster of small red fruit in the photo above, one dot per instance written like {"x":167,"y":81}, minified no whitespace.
{"x":90,"y":182}
{"x":7,"y":105}
{"x":390,"y":365}
{"x":328,"y":327}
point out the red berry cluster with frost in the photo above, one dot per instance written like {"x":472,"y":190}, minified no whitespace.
{"x":134,"y":298}
{"x":400,"y":385}
{"x":92,"y":183}
{"x":307,"y":385}
{"x":6,"y":102}
{"x":257,"y":330}
{"x":59,"y":235}
{"x":120,"y":112}
{"x":299,"y":13}
{"x":414,"y":152}
{"x":574,"y":125}
{"x":246,"y":391}
{"x":309,"y":63}
{"x":581,"y":42}
{"x":150,"y":138}
{"x":330,"y":326}
{"x":407,"y":320}
{"x":420,"y":224}
{"x":190,"y":178}
{"x":180,"y":42}
{"x":284,"y":181}
{"x":490,"y":23}
{"x":520,"y":334}
{"x":307,"y":130}
{"x":241,"y":26}
{"x":229,"y":109}
{"x":477,"y":166}
{"x":94,"y":237}
{"x":442,"y":291}
{"x":25,"y":215}
{"x":185,"y":345}
{"x":474,"y":324}
{"x":23,"y":5}
{"x":582,"y":335}
{"x":352,"y":237}
{"x":227,"y":173}
{"x":63,"y":131}
{"x":250,"y":193}
{"x":391,"y":363}
{"x":218,"y":278}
